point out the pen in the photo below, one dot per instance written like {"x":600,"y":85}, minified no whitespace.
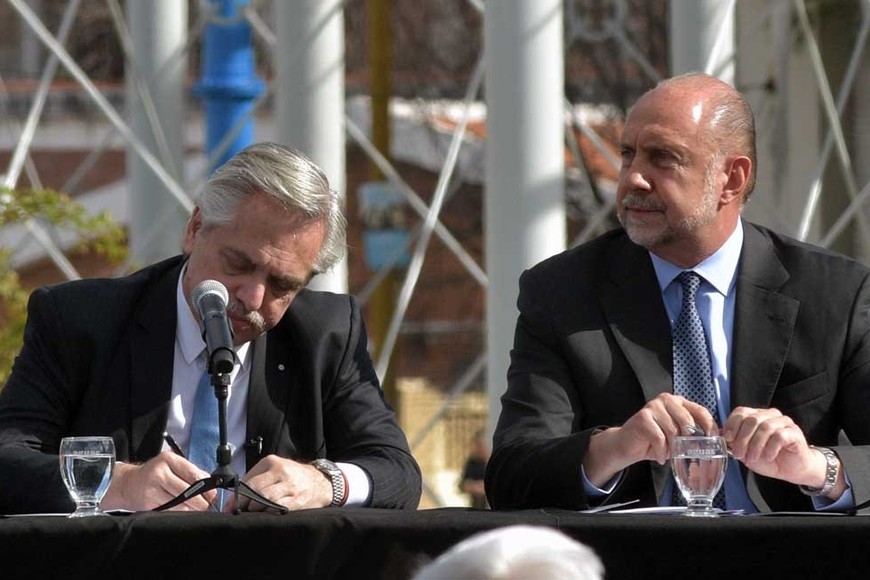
{"x":172,"y":444}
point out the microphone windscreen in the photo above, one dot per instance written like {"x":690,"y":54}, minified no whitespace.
{"x":209,"y":287}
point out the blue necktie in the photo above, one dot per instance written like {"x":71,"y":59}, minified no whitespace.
{"x":204,"y":431}
{"x":692,"y":372}
{"x":693,"y":377}
{"x":204,"y":435}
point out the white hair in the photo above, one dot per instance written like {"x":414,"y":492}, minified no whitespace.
{"x":515,"y":552}
{"x":285,"y":175}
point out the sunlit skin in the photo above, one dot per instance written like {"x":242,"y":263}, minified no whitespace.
{"x":680,"y":195}
{"x":670,"y":198}
{"x":264,"y":257}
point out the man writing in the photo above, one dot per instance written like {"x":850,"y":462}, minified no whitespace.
{"x":124,"y":358}
{"x":603,"y":375}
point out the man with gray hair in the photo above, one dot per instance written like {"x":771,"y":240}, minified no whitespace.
{"x":307,"y":423}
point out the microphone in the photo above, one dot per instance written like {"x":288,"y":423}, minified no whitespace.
{"x":210,"y":299}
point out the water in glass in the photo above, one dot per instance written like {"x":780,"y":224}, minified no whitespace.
{"x":86,"y":465}
{"x":699,"y":466}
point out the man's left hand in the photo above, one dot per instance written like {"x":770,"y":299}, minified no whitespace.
{"x":771,"y":444}
{"x":286,"y":482}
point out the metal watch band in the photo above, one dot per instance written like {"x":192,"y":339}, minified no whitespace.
{"x":831,"y":472}
{"x":335,"y":475}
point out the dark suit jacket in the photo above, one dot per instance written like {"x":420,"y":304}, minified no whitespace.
{"x":593,"y":345}
{"x":97,"y":360}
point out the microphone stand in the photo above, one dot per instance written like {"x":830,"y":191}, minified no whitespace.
{"x":223,"y":477}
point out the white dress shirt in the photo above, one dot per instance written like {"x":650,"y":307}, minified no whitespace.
{"x":189,"y":364}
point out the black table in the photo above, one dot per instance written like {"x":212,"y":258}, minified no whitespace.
{"x":369,"y":543}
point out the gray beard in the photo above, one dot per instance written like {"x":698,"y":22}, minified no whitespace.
{"x":642,"y":236}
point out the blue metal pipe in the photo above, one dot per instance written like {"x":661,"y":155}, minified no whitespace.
{"x":228,"y":84}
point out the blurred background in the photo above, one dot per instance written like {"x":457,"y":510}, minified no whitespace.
{"x":470,"y":138}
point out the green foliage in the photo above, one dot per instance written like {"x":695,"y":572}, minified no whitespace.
{"x":100,"y":233}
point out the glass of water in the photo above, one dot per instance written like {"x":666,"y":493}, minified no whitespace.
{"x":86,"y":464}
{"x":699,"y":465}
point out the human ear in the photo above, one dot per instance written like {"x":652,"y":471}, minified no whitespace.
{"x":737,"y":173}
{"x":194,"y":224}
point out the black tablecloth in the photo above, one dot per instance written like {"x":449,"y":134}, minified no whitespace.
{"x":352,"y":543}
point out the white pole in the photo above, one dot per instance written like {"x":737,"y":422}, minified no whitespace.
{"x":525,"y":162}
{"x":702,"y":37}
{"x":309,"y":95}
{"x":158,"y":33}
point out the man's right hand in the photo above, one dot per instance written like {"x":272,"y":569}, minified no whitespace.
{"x":145,"y":486}
{"x":646,"y":435}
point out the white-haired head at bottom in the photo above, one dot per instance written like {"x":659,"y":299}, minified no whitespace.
{"x":517,"y":553}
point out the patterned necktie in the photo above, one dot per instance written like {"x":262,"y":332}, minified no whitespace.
{"x":204,"y":435}
{"x":692,"y":371}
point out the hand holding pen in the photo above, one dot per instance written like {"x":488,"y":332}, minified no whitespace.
{"x":144,"y":486}
{"x":170,"y":440}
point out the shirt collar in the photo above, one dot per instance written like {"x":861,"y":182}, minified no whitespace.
{"x":188,"y":335}
{"x":719,"y":270}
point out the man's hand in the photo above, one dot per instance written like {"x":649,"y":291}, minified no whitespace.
{"x":289,"y":483}
{"x":646,"y":435}
{"x":771,"y":444}
{"x":155,"y":482}
{"x":473,"y":486}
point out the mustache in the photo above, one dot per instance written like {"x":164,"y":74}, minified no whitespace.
{"x":252,"y":317}
{"x":643,"y":202}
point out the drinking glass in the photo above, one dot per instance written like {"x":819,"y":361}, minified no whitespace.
{"x":699,"y":465}
{"x":86,"y":464}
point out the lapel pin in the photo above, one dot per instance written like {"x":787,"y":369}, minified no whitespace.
{"x":280,"y":367}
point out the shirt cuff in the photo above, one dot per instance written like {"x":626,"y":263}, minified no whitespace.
{"x":846,"y":501}
{"x":593,"y":491}
{"x":359,"y":487}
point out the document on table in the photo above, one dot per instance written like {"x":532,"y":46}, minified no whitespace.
{"x":620,"y":508}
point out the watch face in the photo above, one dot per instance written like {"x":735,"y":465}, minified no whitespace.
{"x":325,"y":465}
{"x":330,"y":469}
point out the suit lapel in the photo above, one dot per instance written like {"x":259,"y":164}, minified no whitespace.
{"x":152,"y":348}
{"x":634,"y":310}
{"x":764,"y":322}
{"x":271,"y":381}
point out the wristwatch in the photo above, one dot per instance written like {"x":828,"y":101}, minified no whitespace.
{"x":336,"y":476}
{"x":833,"y":469}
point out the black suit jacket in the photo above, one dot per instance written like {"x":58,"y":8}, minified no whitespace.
{"x":593,"y":345}
{"x":97,"y":360}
